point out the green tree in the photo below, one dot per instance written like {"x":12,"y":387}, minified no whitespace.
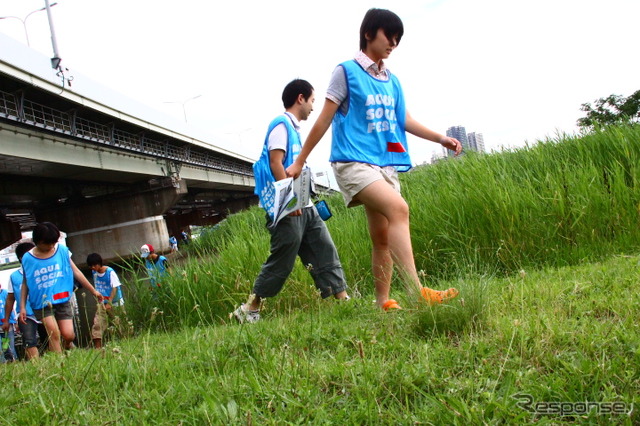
{"x":613,"y":109}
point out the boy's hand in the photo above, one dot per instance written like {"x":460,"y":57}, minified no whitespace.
{"x":296,"y":213}
{"x":5,"y":327}
{"x":99,"y":296}
{"x":22,"y":317}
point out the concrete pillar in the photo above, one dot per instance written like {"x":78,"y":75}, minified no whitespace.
{"x":119,"y":240}
{"x":116,"y":226}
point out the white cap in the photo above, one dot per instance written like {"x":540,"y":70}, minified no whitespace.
{"x":146,"y":250}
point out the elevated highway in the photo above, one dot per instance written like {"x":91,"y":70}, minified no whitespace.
{"x":102,"y":167}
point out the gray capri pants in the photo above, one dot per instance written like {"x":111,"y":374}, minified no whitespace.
{"x":308,"y":237}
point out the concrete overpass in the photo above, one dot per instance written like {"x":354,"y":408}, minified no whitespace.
{"x":102,"y":167}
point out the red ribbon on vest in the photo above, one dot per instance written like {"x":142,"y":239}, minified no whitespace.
{"x":62,"y":295}
{"x":395,"y":147}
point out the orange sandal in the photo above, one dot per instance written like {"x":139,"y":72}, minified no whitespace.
{"x":390,"y":304}
{"x":433,"y":297}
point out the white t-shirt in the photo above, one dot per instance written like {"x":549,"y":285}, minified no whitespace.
{"x":279,"y":138}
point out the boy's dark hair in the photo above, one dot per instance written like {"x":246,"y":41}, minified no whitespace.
{"x":94,"y":259}
{"x":375,"y":19}
{"x":45,"y":232}
{"x":293,"y":89}
{"x":22,"y":248}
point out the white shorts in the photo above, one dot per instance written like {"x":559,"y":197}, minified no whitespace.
{"x":354,"y":177}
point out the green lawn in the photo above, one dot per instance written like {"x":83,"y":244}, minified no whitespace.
{"x":563,"y":335}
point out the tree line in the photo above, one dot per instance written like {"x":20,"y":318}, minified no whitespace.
{"x":613,"y":109}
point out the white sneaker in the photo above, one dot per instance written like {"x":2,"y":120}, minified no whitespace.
{"x":243,"y":314}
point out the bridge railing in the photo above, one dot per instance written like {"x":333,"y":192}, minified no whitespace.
{"x":16,"y":107}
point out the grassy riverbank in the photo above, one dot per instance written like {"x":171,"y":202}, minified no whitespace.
{"x":542,"y":243}
{"x":559,"y":335}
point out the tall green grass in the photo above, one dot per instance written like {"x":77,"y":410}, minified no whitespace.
{"x":560,"y":202}
{"x":557,"y":203}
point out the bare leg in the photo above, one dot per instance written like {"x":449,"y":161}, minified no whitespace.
{"x":67,"y":333}
{"x":32,"y":352}
{"x":381,"y":262}
{"x":388,"y":218}
{"x":342,"y":295}
{"x":51,"y":325}
{"x":383,"y":203}
{"x":254,"y":302}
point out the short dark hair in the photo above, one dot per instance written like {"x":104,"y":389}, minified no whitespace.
{"x":375,"y":19}
{"x":94,"y":259}
{"x":22,"y":248}
{"x":293,"y":89}
{"x":45,"y":232}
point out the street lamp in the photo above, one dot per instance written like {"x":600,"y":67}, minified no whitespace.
{"x":24,"y":21}
{"x":184,"y":110}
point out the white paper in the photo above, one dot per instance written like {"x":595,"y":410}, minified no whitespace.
{"x":291,"y":195}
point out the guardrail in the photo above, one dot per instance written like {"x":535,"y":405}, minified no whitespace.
{"x":16,"y":107}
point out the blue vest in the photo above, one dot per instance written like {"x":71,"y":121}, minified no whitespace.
{"x":262,"y":169}
{"x":373,"y":130}
{"x":3,"y":305}
{"x":50,"y":281}
{"x":16,"y":283}
{"x":156,"y":269}
{"x":103,"y":285}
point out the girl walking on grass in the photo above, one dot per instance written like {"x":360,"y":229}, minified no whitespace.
{"x":366,"y":109}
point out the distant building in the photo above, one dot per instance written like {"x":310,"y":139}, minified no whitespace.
{"x":476,"y":141}
{"x":472,"y":142}
{"x":435,"y":157}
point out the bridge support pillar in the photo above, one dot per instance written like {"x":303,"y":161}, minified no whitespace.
{"x":116,"y":227}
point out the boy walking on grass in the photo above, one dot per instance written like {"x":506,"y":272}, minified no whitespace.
{"x":302,"y":233}
{"x":108,"y":284}
{"x":365,"y":106}
{"x":156,"y":264}
{"x":48,"y":274}
{"x":7,"y":332}
{"x":29,"y":329}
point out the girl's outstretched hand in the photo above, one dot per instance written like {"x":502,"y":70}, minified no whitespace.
{"x":451,"y":143}
{"x":294,"y":170}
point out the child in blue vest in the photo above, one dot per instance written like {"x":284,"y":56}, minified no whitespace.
{"x":49,"y":273}
{"x":7,"y":335}
{"x":29,"y":329}
{"x":106,"y":281}
{"x":302,"y":233}
{"x":156,"y":264}
{"x":173,"y":243}
{"x":366,"y":109}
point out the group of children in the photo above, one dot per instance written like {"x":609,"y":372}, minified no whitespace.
{"x":44,"y":289}
{"x":365,"y":107}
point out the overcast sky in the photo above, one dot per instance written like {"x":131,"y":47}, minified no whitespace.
{"x":512,"y":70}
